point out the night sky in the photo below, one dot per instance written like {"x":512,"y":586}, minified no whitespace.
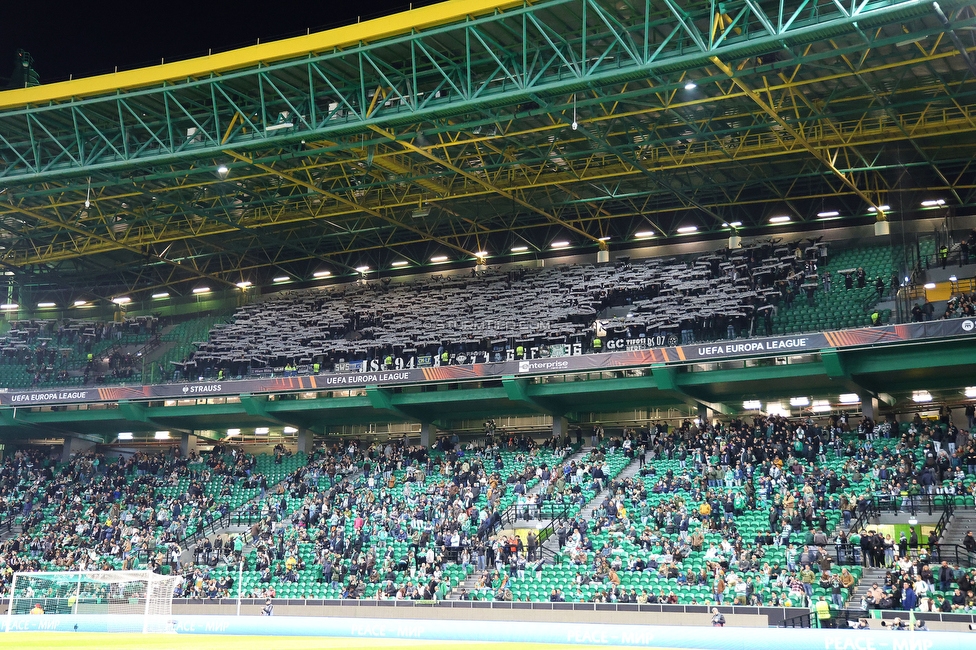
{"x":86,"y":38}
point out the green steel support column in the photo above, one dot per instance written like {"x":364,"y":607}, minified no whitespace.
{"x":517,"y":391}
{"x":381,"y":399}
{"x":255,"y":406}
{"x":665,"y":377}
{"x":833,"y":364}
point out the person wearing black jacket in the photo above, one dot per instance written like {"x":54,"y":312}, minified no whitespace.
{"x":969,"y":542}
{"x":718,"y":619}
{"x":945,"y":576}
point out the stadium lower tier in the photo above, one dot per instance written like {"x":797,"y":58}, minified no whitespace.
{"x":733,"y":513}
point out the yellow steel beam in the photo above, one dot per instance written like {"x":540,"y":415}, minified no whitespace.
{"x":509,"y":195}
{"x":796,"y":135}
{"x":946,"y":121}
{"x":114,"y":244}
{"x":341,"y":199}
{"x":290,"y":48}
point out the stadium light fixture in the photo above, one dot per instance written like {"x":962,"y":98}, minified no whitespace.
{"x":687,"y":230}
{"x":122,"y":300}
{"x":162,"y":435}
{"x":560,"y":244}
{"x":910,"y":41}
{"x":290,"y":430}
{"x":970,"y":391}
{"x":45,"y":305}
{"x":160,"y":296}
{"x":125,"y":435}
{"x":953,"y":278}
{"x":849,"y":398}
{"x":934,"y":203}
{"x":884,"y":208}
{"x":519,"y":249}
{"x":437,"y":259}
{"x":929,"y":285}
{"x":821,"y":406}
{"x":481,"y":254}
{"x":321,"y":274}
{"x":603,"y":239}
{"x":776,"y":408}
{"x":201,"y":290}
{"x":283,"y":122}
{"x":9,"y":306}
{"x":362,"y":269}
{"x":400,"y":263}
{"x":921,"y":396}
{"x":828,"y":214}
{"x":752,"y":405}
{"x":800,"y":401}
{"x":233,"y":432}
{"x":691,"y":85}
{"x":244,"y":285}
{"x":783,"y":218}
{"x":281,"y":278}
{"x":643,"y":234}
{"x":261,"y":431}
{"x":732,"y":224}
{"x":222,"y":171}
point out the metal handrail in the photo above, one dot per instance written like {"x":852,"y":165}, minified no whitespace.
{"x":953,"y":553}
{"x":948,"y":507}
{"x":848,"y":554}
{"x":912,"y":504}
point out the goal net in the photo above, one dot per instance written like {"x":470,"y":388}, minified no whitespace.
{"x":133,"y":599}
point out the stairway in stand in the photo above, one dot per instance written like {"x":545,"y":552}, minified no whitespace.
{"x":868,"y":577}
{"x":551,"y":545}
{"x":962,"y":521}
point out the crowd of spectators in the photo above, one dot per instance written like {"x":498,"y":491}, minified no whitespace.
{"x":344,"y":513}
{"x":914,"y":581}
{"x":743,"y":512}
{"x":102,"y":513}
{"x":961,"y":306}
{"x":453,"y":319}
{"x":654,"y":522}
{"x":58,"y":351}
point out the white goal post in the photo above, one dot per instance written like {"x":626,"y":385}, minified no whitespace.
{"x":114,"y":593}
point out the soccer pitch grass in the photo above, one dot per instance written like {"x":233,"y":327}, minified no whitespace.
{"x":61,"y":640}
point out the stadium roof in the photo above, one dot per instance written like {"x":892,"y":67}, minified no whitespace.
{"x":469,"y":128}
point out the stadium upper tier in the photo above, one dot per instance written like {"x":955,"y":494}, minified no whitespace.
{"x":492,"y":315}
{"x":43,"y":352}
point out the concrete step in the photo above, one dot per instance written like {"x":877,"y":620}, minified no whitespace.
{"x":532,"y":520}
{"x":551,"y":545}
{"x":868,"y":577}
{"x":962,"y":521}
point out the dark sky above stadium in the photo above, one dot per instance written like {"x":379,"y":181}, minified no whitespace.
{"x":80,"y":38}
